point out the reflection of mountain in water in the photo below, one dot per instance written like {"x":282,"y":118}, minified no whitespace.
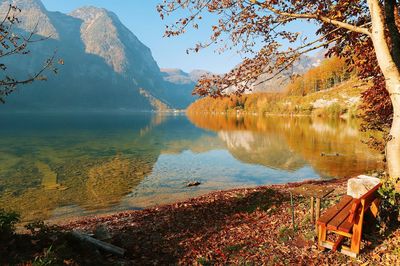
{"x":270,"y":150}
{"x":287,"y":143}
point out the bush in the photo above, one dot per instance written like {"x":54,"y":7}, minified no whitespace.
{"x":8,"y":221}
{"x":390,"y":205}
{"x":334,"y":110}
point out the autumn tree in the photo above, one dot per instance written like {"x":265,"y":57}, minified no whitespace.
{"x":12,"y":43}
{"x":329,"y":73}
{"x":368,"y":29}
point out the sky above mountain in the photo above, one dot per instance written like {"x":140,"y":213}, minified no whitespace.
{"x":143,"y":20}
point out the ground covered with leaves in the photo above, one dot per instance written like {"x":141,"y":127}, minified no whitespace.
{"x":240,"y":227}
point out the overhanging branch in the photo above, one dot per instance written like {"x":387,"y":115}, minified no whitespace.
{"x":334,"y":22}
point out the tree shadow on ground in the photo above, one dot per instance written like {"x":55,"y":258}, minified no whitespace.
{"x":156,"y":235}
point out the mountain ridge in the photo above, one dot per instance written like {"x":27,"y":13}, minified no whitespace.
{"x":106,"y":65}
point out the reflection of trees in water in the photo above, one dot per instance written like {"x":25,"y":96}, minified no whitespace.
{"x":156,"y":120}
{"x":286,"y":142}
{"x":267,"y":149}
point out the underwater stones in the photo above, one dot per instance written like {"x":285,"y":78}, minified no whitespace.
{"x":49,"y":177}
{"x":109,"y":181}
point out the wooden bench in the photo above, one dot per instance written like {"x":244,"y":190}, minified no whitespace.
{"x":346,"y":220}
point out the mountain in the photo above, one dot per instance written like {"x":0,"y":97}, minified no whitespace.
{"x":178,"y":76}
{"x":267,"y":83}
{"x":106,"y":66}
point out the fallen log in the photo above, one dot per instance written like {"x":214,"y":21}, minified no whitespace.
{"x":99,"y":244}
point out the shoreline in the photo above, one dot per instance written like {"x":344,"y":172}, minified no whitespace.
{"x":235,"y":227}
{"x":109,"y":214}
{"x":339,"y":182}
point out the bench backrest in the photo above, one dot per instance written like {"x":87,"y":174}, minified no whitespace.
{"x":364,"y":202}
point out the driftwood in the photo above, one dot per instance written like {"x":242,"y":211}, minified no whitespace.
{"x":99,"y":244}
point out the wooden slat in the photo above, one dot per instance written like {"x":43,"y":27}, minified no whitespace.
{"x":348,"y":252}
{"x":375,"y":207}
{"x":371,"y":191}
{"x":340,"y":217}
{"x":349,"y":235}
{"x":327,"y":244}
{"x":337,"y":243}
{"x":354,"y":210}
{"x":346,"y":226}
{"x":331,"y":212}
{"x":370,"y":196}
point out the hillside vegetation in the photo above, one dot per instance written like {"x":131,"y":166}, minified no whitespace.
{"x":327,"y":90}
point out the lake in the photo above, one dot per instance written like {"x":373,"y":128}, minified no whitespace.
{"x":60,"y":166}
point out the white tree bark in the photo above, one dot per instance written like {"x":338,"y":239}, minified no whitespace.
{"x":392,"y":76}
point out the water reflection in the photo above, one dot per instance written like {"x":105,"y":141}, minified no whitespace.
{"x":56,"y":166}
{"x":332,"y":148}
{"x":268,"y":149}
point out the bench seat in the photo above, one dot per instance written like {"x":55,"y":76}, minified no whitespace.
{"x":336,"y":217}
{"x":346,"y":220}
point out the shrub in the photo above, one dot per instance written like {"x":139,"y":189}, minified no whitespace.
{"x":8,"y":221}
{"x":390,"y":205}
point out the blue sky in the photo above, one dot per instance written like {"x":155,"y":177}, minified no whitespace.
{"x":141,"y":17}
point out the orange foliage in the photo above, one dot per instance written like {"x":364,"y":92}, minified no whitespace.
{"x":248,"y":102}
{"x":329,"y":73}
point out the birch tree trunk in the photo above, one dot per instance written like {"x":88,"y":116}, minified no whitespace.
{"x":392,"y":76}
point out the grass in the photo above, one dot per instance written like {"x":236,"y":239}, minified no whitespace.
{"x":204,"y":262}
{"x":233,"y":248}
{"x":285,"y":234}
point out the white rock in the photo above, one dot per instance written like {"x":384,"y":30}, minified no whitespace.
{"x":358,"y":186}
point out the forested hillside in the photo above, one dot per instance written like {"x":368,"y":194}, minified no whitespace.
{"x":326,"y":90}
{"x":331,"y":72}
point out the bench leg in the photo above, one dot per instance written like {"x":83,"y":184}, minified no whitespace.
{"x":375,"y":207}
{"x":321,"y":236}
{"x":337,"y":243}
{"x":357,"y":232}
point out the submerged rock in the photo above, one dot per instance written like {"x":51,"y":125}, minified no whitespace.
{"x":194,"y":184}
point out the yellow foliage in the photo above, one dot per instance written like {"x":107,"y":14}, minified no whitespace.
{"x":328,"y":74}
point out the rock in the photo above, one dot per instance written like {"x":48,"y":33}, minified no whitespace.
{"x":193,"y":184}
{"x":101,"y":233}
{"x":331,"y":155}
{"x":356,"y":187}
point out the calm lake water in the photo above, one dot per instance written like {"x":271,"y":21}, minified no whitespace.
{"x":67,"y":165}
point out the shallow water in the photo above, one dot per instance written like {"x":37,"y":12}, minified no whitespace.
{"x":67,"y":165}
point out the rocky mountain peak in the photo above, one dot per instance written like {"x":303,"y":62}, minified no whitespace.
{"x":104,"y":35}
{"x":33,"y":16}
{"x":27,"y":4}
{"x":89,"y":13}
{"x":100,"y":36}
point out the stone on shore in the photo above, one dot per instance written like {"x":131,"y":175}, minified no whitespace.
{"x":358,"y":186}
